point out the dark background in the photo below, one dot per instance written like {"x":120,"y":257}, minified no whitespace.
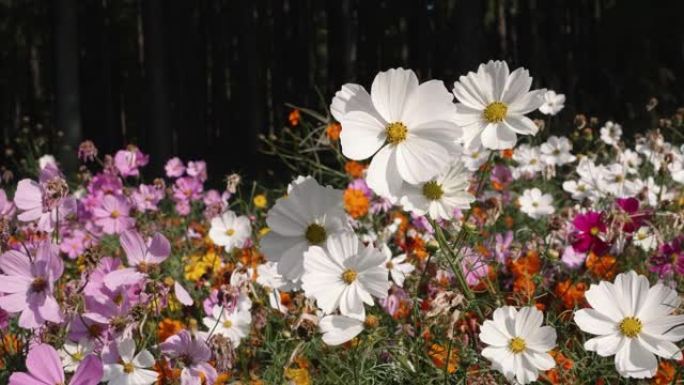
{"x":200,"y":78}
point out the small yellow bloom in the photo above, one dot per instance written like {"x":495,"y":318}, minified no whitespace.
{"x":260,"y":201}
{"x":263,"y":231}
{"x":299,"y":376}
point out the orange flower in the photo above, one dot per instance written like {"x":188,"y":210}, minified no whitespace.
{"x":524,"y":285}
{"x":356,"y":203}
{"x":527,"y":265}
{"x":572,"y":294}
{"x":166,"y":374}
{"x":10,"y":346}
{"x":602,"y":267}
{"x":294,"y":117}
{"x":222,"y":379}
{"x":507,"y":154}
{"x":168,"y":327}
{"x":438,"y":354}
{"x":665,"y":374}
{"x":333,"y":131}
{"x":354,"y":169}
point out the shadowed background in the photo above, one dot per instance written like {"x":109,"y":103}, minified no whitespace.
{"x":201,"y":79}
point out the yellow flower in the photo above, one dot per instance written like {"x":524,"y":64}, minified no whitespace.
{"x":260,"y":201}
{"x":299,"y":376}
{"x":198,"y":266}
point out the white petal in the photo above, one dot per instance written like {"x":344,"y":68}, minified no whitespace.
{"x":606,"y":345}
{"x":633,"y":360}
{"x":383,"y":175}
{"x":351,"y":97}
{"x":521,"y":124}
{"x":670,"y":328}
{"x":497,"y":136}
{"x":604,"y":299}
{"x":490,"y":334}
{"x":542,"y":340}
{"x":339,"y":329}
{"x":144,"y":359}
{"x":430,"y":102}
{"x":591,"y":321}
{"x":362,"y":135}
{"x":419,"y":160}
{"x":660,"y":347}
{"x":527,"y":321}
{"x":390,"y":91}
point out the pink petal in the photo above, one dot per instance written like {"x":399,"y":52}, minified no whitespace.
{"x":15,"y":263}
{"x":14,"y":284}
{"x":182,"y":295}
{"x":28,"y":195}
{"x":122,"y":277}
{"x":14,"y":303}
{"x":49,"y":310}
{"x":30,"y":215}
{"x":43,"y":363}
{"x":19,"y":378}
{"x":160,"y":246}
{"x":134,"y":246}
{"x":89,"y":372}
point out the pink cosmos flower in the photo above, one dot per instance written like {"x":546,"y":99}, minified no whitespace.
{"x":194,"y":354}
{"x":128,"y":161}
{"x":113,"y":215}
{"x":45,"y":368}
{"x":28,"y":285}
{"x":187,"y":189}
{"x":573,"y":259}
{"x":46,"y":202}
{"x":474,"y":267}
{"x":75,"y":243}
{"x":141,"y":256}
{"x":105,"y":184}
{"x":147,"y":197}
{"x":632,"y":218}
{"x":174,"y":168}
{"x":589,"y":228}
{"x":197,"y":169}
{"x":7,"y":208}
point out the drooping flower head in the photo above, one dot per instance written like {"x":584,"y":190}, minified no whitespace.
{"x":45,"y":201}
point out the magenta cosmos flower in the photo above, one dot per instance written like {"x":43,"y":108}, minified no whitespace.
{"x":589,"y":228}
{"x":631,"y":217}
{"x":45,"y":368}
{"x":669,"y":259}
{"x":113,"y":214}
{"x":194,"y":354}
{"x":28,"y":285}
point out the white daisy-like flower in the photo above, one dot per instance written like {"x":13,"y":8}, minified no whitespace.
{"x":407,"y":128}
{"x":72,"y":353}
{"x":308,"y":215}
{"x":131,"y":368}
{"x":229,"y":230}
{"x":578,"y":189}
{"x":234,"y":325}
{"x":397,"y":266}
{"x":493,"y":104}
{"x":474,"y":157}
{"x":611,"y":133}
{"x":529,"y":162}
{"x":536,"y":204}
{"x":630,"y":160}
{"x":556,"y":151}
{"x":439,"y":197}
{"x":645,"y":239}
{"x":632,"y":321}
{"x":518,"y":343}
{"x":345,"y":275}
{"x":338,"y":329}
{"x":553,"y":103}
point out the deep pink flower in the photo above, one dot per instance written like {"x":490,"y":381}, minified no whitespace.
{"x":28,"y":285}
{"x":194,"y":354}
{"x":128,"y":161}
{"x":669,"y":259}
{"x":174,"y":168}
{"x":632,"y":218}
{"x":45,"y":368}
{"x":589,"y":228}
{"x":113,"y":215}
{"x":141,"y":256}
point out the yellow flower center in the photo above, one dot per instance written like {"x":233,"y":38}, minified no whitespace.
{"x":396,"y":132}
{"x":78,"y":356}
{"x":389,"y":265}
{"x":128,"y":368}
{"x":39,"y":284}
{"x":349,"y":276}
{"x":594,"y":231}
{"x":115,"y":214}
{"x":230,"y":232}
{"x":495,"y":112}
{"x":227,"y":324}
{"x":315,"y":234}
{"x":517,"y":345}
{"x":630,"y":327}
{"x":432,"y":190}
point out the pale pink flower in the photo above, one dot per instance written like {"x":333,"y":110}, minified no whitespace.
{"x":45,"y":368}
{"x":174,"y":168}
{"x":113,"y":214}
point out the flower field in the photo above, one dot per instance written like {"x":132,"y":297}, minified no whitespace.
{"x":430,"y":234}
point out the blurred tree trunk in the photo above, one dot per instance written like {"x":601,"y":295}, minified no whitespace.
{"x":68,"y":109}
{"x":159,"y":133}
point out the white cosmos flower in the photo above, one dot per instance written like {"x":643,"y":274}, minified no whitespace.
{"x":611,"y":133}
{"x":407,"y":128}
{"x":518,"y":343}
{"x":229,"y":230}
{"x":440,"y":196}
{"x":632,"y":321}
{"x":529,"y":161}
{"x":474,"y":157}
{"x":72,"y":353}
{"x":553,"y":103}
{"x":578,"y":189}
{"x":338,"y":329}
{"x":645,"y":239}
{"x":306,"y":216}
{"x":556,"y":151}
{"x":493,"y":104}
{"x":234,"y":324}
{"x":345,"y":275}
{"x":131,"y":369}
{"x":536,"y":204}
{"x":397,"y":266}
